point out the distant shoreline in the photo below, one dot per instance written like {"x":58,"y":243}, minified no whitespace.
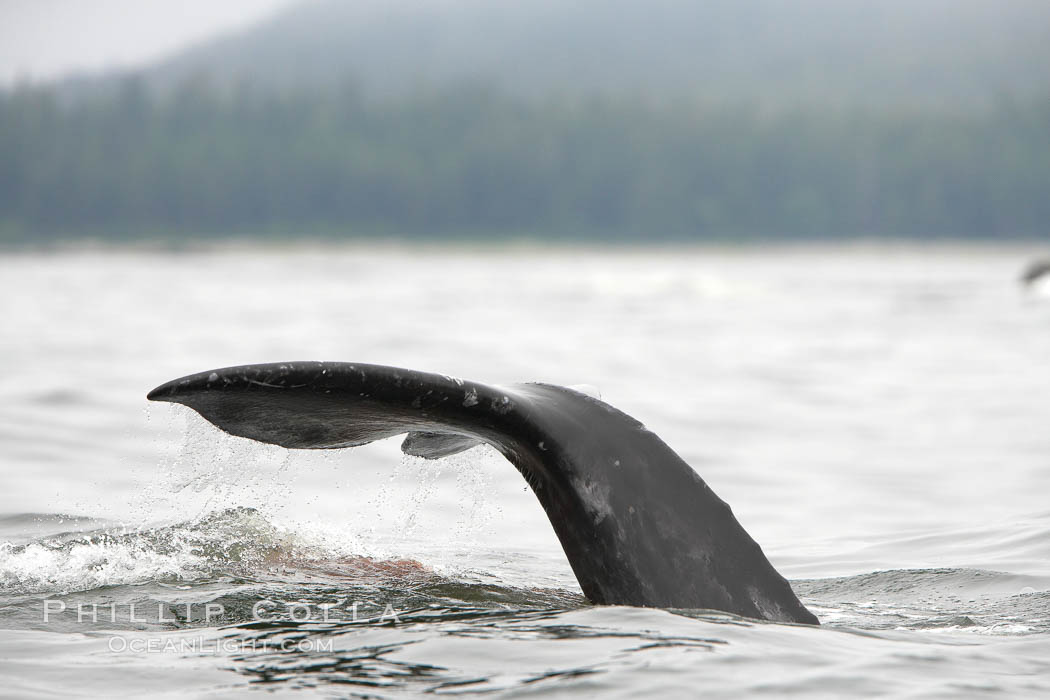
{"x":1031,"y":246}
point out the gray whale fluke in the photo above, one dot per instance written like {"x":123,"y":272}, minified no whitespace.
{"x":638,"y":525}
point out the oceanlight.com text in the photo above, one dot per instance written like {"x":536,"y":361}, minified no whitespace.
{"x":204,"y":645}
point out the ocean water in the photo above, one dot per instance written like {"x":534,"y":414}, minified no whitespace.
{"x":877,"y":418}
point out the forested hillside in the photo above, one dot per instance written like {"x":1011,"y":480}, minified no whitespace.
{"x":679,"y":121}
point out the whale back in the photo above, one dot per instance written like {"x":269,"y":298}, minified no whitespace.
{"x":638,"y":525}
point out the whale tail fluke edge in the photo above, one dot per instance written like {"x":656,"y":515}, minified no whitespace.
{"x":638,"y":525}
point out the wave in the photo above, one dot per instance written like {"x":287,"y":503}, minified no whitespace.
{"x":237,"y":556}
{"x":233,"y":558}
{"x":976,"y":600}
{"x":233,"y":540}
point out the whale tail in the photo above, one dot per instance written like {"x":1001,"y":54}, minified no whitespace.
{"x":638,"y":525}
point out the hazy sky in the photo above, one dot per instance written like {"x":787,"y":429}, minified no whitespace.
{"x":41,"y":39}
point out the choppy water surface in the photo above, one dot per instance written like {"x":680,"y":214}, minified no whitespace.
{"x":876,"y":418}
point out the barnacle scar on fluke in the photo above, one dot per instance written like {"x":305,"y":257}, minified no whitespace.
{"x":638,"y":525}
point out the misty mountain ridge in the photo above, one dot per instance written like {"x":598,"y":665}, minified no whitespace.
{"x":599,"y":120}
{"x":898,"y":51}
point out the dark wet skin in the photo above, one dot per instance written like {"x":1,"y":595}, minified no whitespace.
{"x":638,"y":525}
